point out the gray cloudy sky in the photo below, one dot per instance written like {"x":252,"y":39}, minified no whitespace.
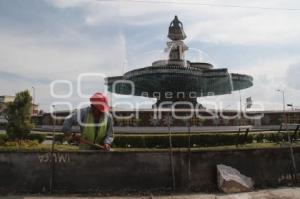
{"x":46,"y":40}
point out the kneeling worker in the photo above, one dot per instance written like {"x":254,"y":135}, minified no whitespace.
{"x":96,"y":125}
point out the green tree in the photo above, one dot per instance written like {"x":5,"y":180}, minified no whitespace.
{"x":18,"y":115}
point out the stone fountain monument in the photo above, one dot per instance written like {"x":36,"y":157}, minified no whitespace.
{"x":177,"y":80}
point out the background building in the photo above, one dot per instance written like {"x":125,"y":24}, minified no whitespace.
{"x":4,"y":100}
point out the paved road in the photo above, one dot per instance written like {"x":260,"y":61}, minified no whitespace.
{"x":282,"y":193}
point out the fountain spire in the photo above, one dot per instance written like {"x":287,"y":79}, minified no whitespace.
{"x":176,"y":46}
{"x":176,"y":31}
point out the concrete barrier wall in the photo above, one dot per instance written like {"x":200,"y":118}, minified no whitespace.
{"x":93,"y":172}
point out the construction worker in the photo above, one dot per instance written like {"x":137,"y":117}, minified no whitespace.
{"x":96,"y":125}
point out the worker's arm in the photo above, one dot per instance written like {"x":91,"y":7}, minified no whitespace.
{"x":109,"y":138}
{"x":69,"y":122}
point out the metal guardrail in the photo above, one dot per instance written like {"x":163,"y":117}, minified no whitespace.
{"x":177,"y":129}
{"x":241,"y":128}
{"x":290,"y":140}
{"x":288,"y":127}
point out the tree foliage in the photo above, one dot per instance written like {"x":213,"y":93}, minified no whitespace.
{"x":18,"y":115}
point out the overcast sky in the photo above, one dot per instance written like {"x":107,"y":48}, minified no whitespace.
{"x":46,"y":40}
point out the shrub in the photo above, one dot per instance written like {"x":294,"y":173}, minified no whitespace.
{"x":259,"y":138}
{"x":199,"y":140}
{"x":3,"y":139}
{"x":179,"y":140}
{"x":59,"y":138}
{"x":38,"y":137}
{"x":23,"y":143}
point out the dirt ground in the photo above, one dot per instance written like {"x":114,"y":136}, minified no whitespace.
{"x":280,"y":193}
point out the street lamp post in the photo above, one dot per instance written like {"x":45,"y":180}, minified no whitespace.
{"x":52,"y":150}
{"x":288,"y":135}
{"x":283,"y":108}
{"x":53,"y":129}
{"x":291,"y":120}
{"x":241,"y":110}
{"x":291,"y":105}
{"x":33,"y":99}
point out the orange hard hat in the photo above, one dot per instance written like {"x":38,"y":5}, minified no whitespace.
{"x":100,"y":102}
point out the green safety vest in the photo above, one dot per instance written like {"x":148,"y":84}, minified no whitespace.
{"x":89,"y":131}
